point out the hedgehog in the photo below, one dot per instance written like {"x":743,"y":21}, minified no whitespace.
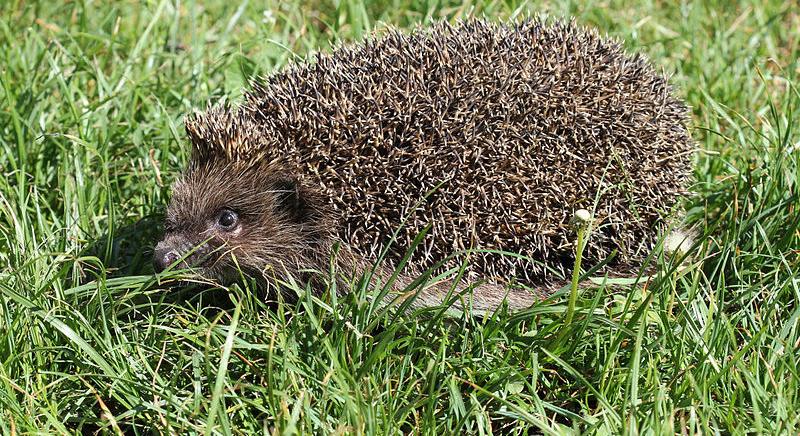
{"x":464,"y":146}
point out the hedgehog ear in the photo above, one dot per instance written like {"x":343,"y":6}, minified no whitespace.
{"x":291,"y":201}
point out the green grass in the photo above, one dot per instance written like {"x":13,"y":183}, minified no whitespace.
{"x":92,"y":95}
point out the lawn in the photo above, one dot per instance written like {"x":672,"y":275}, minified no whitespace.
{"x":92,"y":97}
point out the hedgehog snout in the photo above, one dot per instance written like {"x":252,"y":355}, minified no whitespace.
{"x":173,"y":249}
{"x":164,"y":257}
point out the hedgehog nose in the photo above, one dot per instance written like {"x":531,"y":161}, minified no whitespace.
{"x":164,"y":258}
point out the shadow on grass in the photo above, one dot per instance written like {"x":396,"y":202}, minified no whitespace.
{"x":128,"y":249}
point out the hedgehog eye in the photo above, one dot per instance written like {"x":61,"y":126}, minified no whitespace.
{"x":228,"y":219}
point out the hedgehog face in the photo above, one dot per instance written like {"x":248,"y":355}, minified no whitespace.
{"x":226,"y":217}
